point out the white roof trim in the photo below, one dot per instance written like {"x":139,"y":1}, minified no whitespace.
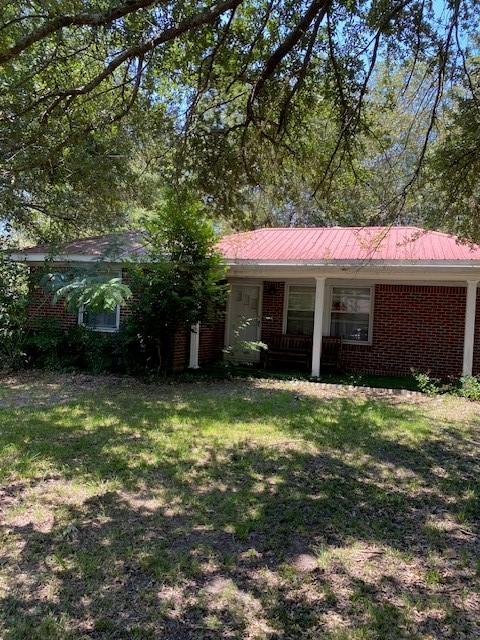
{"x":254,"y":264}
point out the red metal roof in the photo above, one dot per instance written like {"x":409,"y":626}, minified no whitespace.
{"x":317,"y":244}
{"x":345,"y":244}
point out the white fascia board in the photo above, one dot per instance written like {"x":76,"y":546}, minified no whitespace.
{"x":397,"y":273}
{"x":354,"y":268}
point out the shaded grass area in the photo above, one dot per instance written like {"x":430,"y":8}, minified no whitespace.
{"x":239,"y":510}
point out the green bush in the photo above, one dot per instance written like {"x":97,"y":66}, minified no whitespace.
{"x":466,"y":386}
{"x":426,"y":384}
{"x":13,"y":289}
{"x":183,"y":282}
{"x":43,"y":344}
{"x":50,"y":346}
{"x":469,"y":388}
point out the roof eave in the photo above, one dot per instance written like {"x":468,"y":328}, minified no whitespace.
{"x":353,"y":263}
{"x":255,"y":264}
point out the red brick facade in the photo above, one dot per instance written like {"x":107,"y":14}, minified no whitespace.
{"x":272,"y":309}
{"x":181,"y":350}
{"x":212,"y":341}
{"x":414,"y":327}
{"x":476,"y":349}
{"x":210,"y":345}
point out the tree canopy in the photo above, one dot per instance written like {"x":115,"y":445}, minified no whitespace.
{"x":247,"y":100}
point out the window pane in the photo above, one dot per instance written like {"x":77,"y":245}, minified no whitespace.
{"x":102,"y":320}
{"x":301,"y":298}
{"x":301,"y":304}
{"x":300,"y":323}
{"x":351,"y":300}
{"x":350,"y":326}
{"x":350,"y":313}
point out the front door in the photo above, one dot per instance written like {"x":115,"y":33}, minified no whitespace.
{"x":244,"y":321}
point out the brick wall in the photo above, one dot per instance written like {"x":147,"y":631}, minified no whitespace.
{"x":418,"y":327}
{"x":272,"y":309}
{"x":212,"y":339}
{"x":210,"y":347}
{"x":41,"y":308}
{"x":126,"y":311}
{"x":180,"y":350}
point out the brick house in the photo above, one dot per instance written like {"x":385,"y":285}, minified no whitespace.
{"x":396,"y":298}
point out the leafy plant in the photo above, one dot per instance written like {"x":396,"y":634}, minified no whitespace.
{"x":98,"y":291}
{"x":180,"y":282}
{"x":426,"y":384}
{"x":469,"y":387}
{"x":13,"y":289}
{"x":50,"y":346}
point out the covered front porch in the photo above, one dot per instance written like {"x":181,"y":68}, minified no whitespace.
{"x":386,"y":325}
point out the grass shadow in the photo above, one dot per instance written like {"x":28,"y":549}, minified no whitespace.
{"x":237,"y":511}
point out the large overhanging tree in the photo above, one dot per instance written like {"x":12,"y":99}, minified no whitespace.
{"x":220,"y":93}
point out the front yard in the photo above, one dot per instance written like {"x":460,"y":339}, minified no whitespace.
{"x":249,"y":510}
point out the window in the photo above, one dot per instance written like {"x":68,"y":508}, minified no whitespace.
{"x":350,"y":313}
{"x":102,"y":321}
{"x":301,"y":305}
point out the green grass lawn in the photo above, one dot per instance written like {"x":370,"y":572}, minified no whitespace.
{"x":246,"y":509}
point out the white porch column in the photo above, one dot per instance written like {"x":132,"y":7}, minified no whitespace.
{"x":194,"y":342}
{"x":318,"y":326}
{"x":469,"y":336}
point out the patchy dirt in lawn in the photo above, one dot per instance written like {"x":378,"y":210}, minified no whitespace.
{"x":248,"y":510}
{"x":41,"y":388}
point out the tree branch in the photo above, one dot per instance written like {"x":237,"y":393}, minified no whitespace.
{"x":283,"y":50}
{"x":303,"y":70}
{"x":83,"y":19}
{"x":172,"y":33}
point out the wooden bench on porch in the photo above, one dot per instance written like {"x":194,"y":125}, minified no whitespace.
{"x":296,"y":351}
{"x":285,"y":351}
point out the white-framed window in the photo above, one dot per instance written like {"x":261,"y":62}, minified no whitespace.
{"x":299,"y":310}
{"x":108,"y":321}
{"x":351,"y":314}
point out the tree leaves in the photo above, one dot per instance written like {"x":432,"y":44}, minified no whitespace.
{"x":213,"y":95}
{"x":97,"y":292}
{"x":180,"y":281}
